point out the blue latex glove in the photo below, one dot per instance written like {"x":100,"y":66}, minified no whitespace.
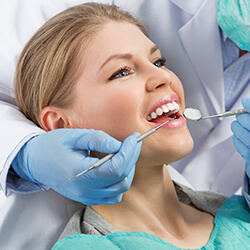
{"x":52,"y":158}
{"x":241,"y":130}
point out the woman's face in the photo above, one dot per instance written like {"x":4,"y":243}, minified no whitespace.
{"x":124,"y":87}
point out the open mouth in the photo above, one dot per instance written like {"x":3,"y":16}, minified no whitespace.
{"x":164,"y":112}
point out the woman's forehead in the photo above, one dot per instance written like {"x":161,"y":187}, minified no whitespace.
{"x":117,"y":37}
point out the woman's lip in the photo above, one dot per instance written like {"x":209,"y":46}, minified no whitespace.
{"x":176,"y":123}
{"x":164,"y":100}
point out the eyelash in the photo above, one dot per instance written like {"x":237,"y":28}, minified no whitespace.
{"x":128,"y":70}
{"x":115,"y":75}
{"x":161,"y":60}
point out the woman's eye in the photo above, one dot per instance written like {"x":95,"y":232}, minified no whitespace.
{"x":125,"y":71}
{"x":160,"y":62}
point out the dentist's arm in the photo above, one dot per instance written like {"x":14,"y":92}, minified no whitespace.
{"x":15,"y":130}
{"x":241,"y":138}
{"x":52,"y":158}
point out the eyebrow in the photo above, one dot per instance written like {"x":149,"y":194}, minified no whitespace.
{"x":153,"y":49}
{"x":125,"y":56}
{"x":116,"y":56}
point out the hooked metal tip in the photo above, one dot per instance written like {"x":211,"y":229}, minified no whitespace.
{"x":78,"y":175}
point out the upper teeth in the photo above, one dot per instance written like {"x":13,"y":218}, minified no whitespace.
{"x":166,"y":108}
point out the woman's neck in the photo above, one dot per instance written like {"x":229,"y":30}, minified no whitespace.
{"x":150,"y":205}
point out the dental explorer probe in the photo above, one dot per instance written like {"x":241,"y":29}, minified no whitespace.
{"x":109,"y":156}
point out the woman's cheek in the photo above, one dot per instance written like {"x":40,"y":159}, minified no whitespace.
{"x":177,"y":87}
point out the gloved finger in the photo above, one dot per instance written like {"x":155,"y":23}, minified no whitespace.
{"x":110,"y":191}
{"x":106,"y":182}
{"x":246,"y":103}
{"x":106,"y":201}
{"x":241,"y":148}
{"x":79,"y":163}
{"x":113,"y":200}
{"x":126,"y":157}
{"x":244,"y":120}
{"x":121,"y":164}
{"x":88,"y":195}
{"x":94,"y":140}
{"x":241,"y":133}
{"x":121,"y":186}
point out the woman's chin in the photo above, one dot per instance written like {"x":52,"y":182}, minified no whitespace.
{"x":183,"y":150}
{"x":168,"y":152}
{"x":163,"y":158}
{"x":179,"y":152}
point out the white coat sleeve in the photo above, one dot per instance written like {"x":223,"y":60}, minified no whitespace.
{"x":19,"y":20}
{"x":15,"y":130}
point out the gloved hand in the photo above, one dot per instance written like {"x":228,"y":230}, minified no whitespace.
{"x":52,"y":158}
{"x":241,"y":130}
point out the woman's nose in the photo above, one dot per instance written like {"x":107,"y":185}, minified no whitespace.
{"x":158,"y":77}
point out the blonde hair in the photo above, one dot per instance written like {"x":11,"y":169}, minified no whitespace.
{"x":49,"y":64}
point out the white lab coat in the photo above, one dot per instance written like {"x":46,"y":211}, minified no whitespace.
{"x":191,"y":46}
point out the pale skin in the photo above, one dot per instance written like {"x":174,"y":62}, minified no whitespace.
{"x":124,"y":72}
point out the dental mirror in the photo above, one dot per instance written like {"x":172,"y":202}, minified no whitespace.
{"x":195,"y":115}
{"x":192,"y":114}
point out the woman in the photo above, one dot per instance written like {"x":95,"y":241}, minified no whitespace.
{"x":93,"y":67}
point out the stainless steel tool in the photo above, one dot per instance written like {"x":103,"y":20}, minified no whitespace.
{"x":194,"y":115}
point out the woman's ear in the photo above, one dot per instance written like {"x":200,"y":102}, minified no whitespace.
{"x":53,"y":118}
